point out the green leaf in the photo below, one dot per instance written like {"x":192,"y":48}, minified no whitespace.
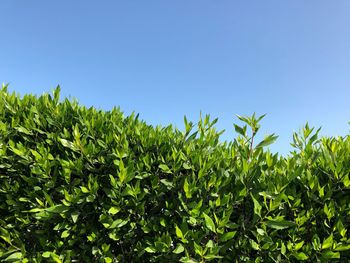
{"x":24,"y":130}
{"x":254,"y":245}
{"x":210,"y":244}
{"x":5,"y":235}
{"x":186,"y":166}
{"x":346,"y":181}
{"x":243,"y":192}
{"x":341,"y":229}
{"x":167,"y":183}
{"x":69,"y":145}
{"x":65,"y":234}
{"x":14,"y":257}
{"x":165,"y":168}
{"x":300,"y":256}
{"x":283,"y":249}
{"x":74,"y":216}
{"x":261,"y":117}
{"x":84,"y":189}
{"x":178,"y":232}
{"x":328,"y":242}
{"x":56,"y":258}
{"x":187,"y":189}
{"x":46,"y":254}
{"x":188,"y":260}
{"x":239,"y":130}
{"x":198,"y":249}
{"x":298,"y":245}
{"x":316,"y":243}
{"x":150,"y":250}
{"x":56,"y":94}
{"x":162,"y":222}
{"x":209,"y":223}
{"x":247,"y":120}
{"x":179,"y":249}
{"x":122,"y":171}
{"x":257,"y":206}
{"x":267,"y":141}
{"x":212,"y":256}
{"x":112,"y":179}
{"x":342,"y":247}
{"x":113,"y":210}
{"x":57,"y":209}
{"x":260,"y":231}
{"x":192,"y":136}
{"x":279,"y":224}
{"x":228,"y":236}
{"x":328,"y":254}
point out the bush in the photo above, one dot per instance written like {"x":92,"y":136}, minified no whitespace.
{"x":84,"y":185}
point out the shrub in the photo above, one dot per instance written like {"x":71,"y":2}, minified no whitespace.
{"x":84,"y":185}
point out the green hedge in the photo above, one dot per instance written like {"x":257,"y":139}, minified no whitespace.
{"x":84,"y":185}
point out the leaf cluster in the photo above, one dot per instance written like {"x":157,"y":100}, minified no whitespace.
{"x":84,"y":185}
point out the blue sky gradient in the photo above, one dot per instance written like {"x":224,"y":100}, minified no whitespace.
{"x":167,"y":59}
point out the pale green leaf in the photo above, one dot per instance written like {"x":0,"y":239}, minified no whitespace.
{"x":328,"y":242}
{"x":113,"y":210}
{"x":267,"y":141}
{"x":209,"y":222}
{"x":179,"y":249}
{"x":279,"y":224}
{"x":165,"y":168}
{"x":300,"y":256}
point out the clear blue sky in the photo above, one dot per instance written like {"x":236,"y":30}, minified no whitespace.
{"x":167,"y":59}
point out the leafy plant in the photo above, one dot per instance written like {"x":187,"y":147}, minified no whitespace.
{"x":84,"y":185}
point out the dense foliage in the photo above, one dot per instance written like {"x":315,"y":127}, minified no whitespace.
{"x":84,"y":185}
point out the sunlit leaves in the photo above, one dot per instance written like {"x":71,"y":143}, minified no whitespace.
{"x":14,"y":257}
{"x":187,"y":189}
{"x":209,"y":223}
{"x":240,"y":130}
{"x":279,"y":224}
{"x":164,"y":168}
{"x":113,"y":210}
{"x":80,"y":184}
{"x":328,"y":242}
{"x":300,"y":256}
{"x":257,"y":206}
{"x":179,"y":249}
{"x":267,"y":141}
{"x":69,"y":144}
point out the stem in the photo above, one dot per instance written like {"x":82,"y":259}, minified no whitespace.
{"x":251,"y":145}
